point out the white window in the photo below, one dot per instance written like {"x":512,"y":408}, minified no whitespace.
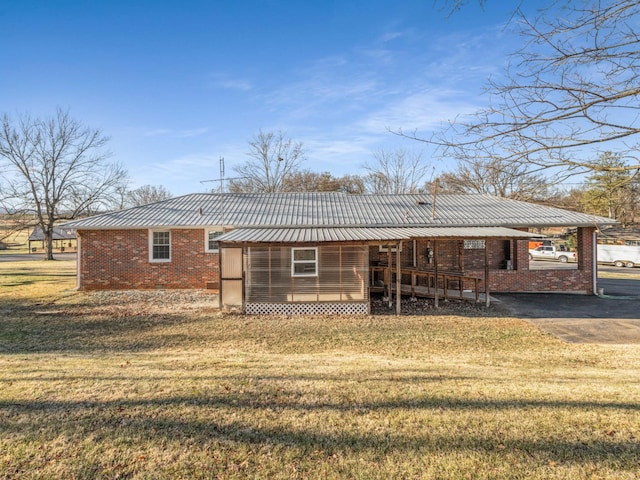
{"x":160,"y":246}
{"x":210,"y":243}
{"x":304,"y":262}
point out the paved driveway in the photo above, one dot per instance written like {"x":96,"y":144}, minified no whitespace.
{"x":611,"y":319}
{"x":23,"y":257}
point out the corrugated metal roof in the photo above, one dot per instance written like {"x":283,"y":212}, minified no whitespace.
{"x":313,"y":235}
{"x":331,"y":209}
{"x":59,"y":233}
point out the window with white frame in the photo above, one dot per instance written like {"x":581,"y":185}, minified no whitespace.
{"x":304,"y":262}
{"x":211,"y":245}
{"x":160,"y":246}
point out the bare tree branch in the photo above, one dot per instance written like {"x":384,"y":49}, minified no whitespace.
{"x":571,"y":93}
{"x":499,"y":178}
{"x":146,"y":194}
{"x":57,"y":168}
{"x":274,"y":157}
{"x":396,"y":172}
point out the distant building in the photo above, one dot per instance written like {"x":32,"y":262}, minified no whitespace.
{"x":64,"y":240}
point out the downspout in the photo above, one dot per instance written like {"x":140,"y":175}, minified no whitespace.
{"x":435,"y":273}
{"x":78,"y":257}
{"x":487,"y":294}
{"x":594,"y":265}
{"x":415,"y":253}
{"x":398,"y":279}
{"x":390,"y":274}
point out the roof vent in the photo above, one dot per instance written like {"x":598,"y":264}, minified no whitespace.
{"x":421,"y":202}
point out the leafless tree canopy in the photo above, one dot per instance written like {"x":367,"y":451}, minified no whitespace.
{"x":147,"y":194}
{"x":308,"y":181}
{"x":497,"y":177}
{"x":55,"y":167}
{"x":449,"y":7}
{"x":273,"y":158}
{"x":395,"y":172}
{"x":571,"y":93}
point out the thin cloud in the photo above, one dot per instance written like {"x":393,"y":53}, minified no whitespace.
{"x":423,"y":110}
{"x":221,"y":80}
{"x":166,"y":132}
{"x":389,"y":36}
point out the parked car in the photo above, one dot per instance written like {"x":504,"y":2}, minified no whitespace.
{"x":550,"y":252}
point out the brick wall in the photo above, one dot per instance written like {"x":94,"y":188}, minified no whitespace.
{"x":521,"y":279}
{"x":453,"y":257}
{"x":119,"y":259}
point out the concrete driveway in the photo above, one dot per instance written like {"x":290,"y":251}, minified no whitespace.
{"x":613,"y":318}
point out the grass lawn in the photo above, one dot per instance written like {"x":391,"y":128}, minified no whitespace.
{"x":160,"y":385}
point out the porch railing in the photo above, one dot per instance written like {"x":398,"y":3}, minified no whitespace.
{"x":425,"y":283}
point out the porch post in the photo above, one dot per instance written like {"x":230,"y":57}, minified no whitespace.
{"x":487,"y":301}
{"x":398,"y":278}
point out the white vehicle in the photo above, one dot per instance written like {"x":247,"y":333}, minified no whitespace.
{"x":550,"y":252}
{"x":619,"y":255}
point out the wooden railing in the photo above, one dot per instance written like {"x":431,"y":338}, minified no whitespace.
{"x":445,"y":284}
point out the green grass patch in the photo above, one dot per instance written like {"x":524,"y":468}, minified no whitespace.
{"x":131,"y":385}
{"x":630,"y":274}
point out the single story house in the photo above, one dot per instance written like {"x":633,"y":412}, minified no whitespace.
{"x":293,"y":253}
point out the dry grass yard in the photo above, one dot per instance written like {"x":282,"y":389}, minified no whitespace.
{"x":160,"y":385}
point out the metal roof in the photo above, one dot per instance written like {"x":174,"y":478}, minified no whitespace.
{"x":301,"y":235}
{"x":333,"y":209}
{"x":59,"y":233}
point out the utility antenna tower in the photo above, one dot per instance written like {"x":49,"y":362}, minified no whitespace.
{"x":222,"y":192}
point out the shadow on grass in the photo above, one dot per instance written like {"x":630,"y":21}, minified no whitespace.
{"x":45,"y":329}
{"x":286,"y":401}
{"x":19,"y":284}
{"x":236,"y":418}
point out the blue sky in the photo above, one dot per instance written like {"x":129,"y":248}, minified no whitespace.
{"x":178,"y":84}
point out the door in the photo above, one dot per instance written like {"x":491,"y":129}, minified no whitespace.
{"x":231,"y":281}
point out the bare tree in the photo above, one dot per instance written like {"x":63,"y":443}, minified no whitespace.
{"x":308,"y":181}
{"x":147,"y":194}
{"x":55,"y":167}
{"x":395,"y":172}
{"x":497,"y":177}
{"x":274,"y":157}
{"x":566,"y":198}
{"x":572,"y":88}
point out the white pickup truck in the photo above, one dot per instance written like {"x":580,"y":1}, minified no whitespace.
{"x":550,"y":252}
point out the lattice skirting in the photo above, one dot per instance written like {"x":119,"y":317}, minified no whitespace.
{"x":307,"y":308}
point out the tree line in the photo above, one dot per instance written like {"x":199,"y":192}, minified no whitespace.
{"x":568,"y":105}
{"x":56,"y":169}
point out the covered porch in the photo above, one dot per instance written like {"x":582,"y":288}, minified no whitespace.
{"x":334,"y":270}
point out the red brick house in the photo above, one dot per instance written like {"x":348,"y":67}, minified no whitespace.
{"x":327,"y":252}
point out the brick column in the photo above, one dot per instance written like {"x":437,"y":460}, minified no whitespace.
{"x":521,"y":254}
{"x":586,"y":249}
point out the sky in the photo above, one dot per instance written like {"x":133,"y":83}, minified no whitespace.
{"x":178,"y":84}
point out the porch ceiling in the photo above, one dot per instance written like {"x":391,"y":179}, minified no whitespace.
{"x":369,"y":234}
